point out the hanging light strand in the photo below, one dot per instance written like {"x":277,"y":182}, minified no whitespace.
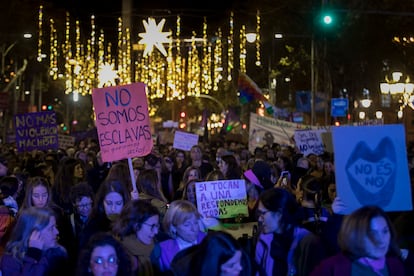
{"x":230,"y":49}
{"x":258,"y":58}
{"x":40,"y":39}
{"x":243,"y":51}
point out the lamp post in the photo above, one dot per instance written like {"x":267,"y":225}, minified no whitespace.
{"x":397,"y":89}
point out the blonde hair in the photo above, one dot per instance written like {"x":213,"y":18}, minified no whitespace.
{"x":178,"y":212}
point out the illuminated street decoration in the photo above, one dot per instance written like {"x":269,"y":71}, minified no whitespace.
{"x":182,"y":67}
{"x":107,"y":75}
{"x":154,"y":36}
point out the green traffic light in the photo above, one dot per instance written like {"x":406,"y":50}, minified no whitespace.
{"x":49,"y":107}
{"x":327,"y":19}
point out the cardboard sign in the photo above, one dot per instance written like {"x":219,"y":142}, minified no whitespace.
{"x":266,"y":130}
{"x":66,"y":141}
{"x":310,"y":141}
{"x":222,"y":198}
{"x":371,"y":167}
{"x":37,"y":130}
{"x":122,"y":121}
{"x":184,"y":140}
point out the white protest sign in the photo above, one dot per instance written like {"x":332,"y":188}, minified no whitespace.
{"x":222,"y":198}
{"x":65,"y":141}
{"x":310,"y":141}
{"x":266,"y":130}
{"x":371,"y":167}
{"x":184,"y":140}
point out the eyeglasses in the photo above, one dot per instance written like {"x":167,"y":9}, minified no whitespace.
{"x":153,"y":227}
{"x":260,"y":213}
{"x":83,"y":206}
{"x":168,"y":160}
{"x":112,"y":261}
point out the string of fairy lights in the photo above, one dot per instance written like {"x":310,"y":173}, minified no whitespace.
{"x":185,"y":67}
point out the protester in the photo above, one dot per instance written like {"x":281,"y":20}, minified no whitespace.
{"x":283,"y":248}
{"x":229,"y":167}
{"x":82,"y":197}
{"x":189,"y":174}
{"x":182,"y":223}
{"x":150,"y":190}
{"x":70,"y":172}
{"x":312,"y":215}
{"x":104,"y":255}
{"x":218,"y":254}
{"x":109,"y":201}
{"x":33,"y":248}
{"x":197,"y":161}
{"x":136,"y":227}
{"x":368,"y":246}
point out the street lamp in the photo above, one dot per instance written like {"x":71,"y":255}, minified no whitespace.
{"x":398,"y":88}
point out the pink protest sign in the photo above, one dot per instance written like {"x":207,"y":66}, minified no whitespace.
{"x":122,"y":121}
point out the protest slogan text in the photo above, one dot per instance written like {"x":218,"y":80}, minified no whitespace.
{"x":37,"y":130}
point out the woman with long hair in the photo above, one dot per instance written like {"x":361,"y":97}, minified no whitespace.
{"x":33,"y":248}
{"x":284,"y":248}
{"x":108,"y":204}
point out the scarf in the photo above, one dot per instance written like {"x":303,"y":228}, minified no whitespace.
{"x":375,"y":264}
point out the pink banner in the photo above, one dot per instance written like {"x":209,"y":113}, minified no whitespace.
{"x":122,"y":121}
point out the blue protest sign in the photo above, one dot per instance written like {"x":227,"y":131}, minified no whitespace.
{"x":371,"y":167}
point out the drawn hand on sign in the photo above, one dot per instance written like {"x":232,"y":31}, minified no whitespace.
{"x":372,"y":173}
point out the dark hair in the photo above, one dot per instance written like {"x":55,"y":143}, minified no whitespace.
{"x":107,"y":187}
{"x":282,"y":201}
{"x":132,"y":216}
{"x":233,"y":169}
{"x":8,"y":186}
{"x":65,"y":180}
{"x":311,"y":187}
{"x":356,"y":227}
{"x":103,"y":239}
{"x":215,"y":250}
{"x":147,"y":183}
{"x":120,"y":171}
{"x":80,"y":190}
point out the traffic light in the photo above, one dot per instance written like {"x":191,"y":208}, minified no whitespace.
{"x":182,"y":114}
{"x":327,"y":19}
{"x":44,"y":107}
{"x":50,"y":107}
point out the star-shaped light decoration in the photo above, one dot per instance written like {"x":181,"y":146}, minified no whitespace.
{"x":154,"y":36}
{"x":107,"y":75}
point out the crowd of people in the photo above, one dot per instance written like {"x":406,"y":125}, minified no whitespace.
{"x":67,"y":212}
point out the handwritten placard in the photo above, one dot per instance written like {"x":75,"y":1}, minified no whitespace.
{"x":371,"y":167}
{"x":36,"y":130}
{"x":184,"y":140}
{"x":66,"y":141}
{"x":310,"y":141}
{"x":222,"y":198}
{"x":266,"y":130}
{"x":122,"y":121}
